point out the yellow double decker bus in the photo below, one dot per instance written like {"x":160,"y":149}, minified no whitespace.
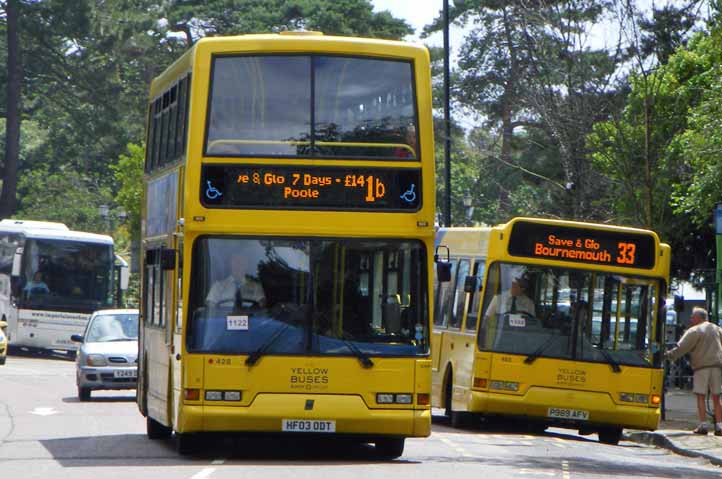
{"x":557,"y":322}
{"x":287,"y":230}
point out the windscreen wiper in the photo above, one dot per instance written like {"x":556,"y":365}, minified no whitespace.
{"x":362,"y":357}
{"x":533,"y":356}
{"x":612,"y":362}
{"x":256,"y":355}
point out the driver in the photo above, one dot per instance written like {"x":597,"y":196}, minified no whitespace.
{"x":239,"y":287}
{"x":513,"y":300}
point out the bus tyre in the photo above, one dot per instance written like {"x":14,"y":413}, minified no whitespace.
{"x":156,"y":430}
{"x":610,"y":435}
{"x":2,"y":360}
{"x":389,"y":448}
{"x":186,"y":443}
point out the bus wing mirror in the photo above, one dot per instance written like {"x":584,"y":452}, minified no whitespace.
{"x":443,"y":265}
{"x":443,"y":271}
{"x":471,"y":284}
{"x":678,"y":303}
{"x":167,"y":259}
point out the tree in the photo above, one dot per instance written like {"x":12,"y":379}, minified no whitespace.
{"x":527,"y":69}
{"x":8,"y":199}
{"x":197,"y":18}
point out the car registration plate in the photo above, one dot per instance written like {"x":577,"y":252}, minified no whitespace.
{"x":308,"y":425}
{"x":125,"y":373}
{"x":563,"y":413}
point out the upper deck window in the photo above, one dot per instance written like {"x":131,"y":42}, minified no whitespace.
{"x":312,"y":106}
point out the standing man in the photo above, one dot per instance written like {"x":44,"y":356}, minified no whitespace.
{"x":703,"y":342}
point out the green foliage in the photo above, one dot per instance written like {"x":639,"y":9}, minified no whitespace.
{"x":128,"y":175}
{"x":65,"y":196}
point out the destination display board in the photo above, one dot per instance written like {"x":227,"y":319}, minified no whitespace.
{"x":581,"y":245}
{"x":311,"y":187}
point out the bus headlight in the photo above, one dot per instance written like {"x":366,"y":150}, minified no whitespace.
{"x":391,"y":398}
{"x":96,"y":360}
{"x":385,"y":398}
{"x":635,"y":398}
{"x":504,"y":385}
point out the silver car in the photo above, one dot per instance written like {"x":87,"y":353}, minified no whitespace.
{"x":108,"y":353}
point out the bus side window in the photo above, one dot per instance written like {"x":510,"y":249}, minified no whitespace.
{"x":443,"y":299}
{"x":475,"y":298}
{"x":457,"y":308}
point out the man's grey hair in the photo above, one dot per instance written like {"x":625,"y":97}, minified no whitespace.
{"x":701,"y":312}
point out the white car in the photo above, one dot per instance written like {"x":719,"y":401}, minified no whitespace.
{"x":108,"y":354}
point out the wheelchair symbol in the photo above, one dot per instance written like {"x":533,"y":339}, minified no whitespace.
{"x":409,"y":195}
{"x":211,"y":192}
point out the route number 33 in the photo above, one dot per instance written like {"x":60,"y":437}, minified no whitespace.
{"x":626,"y":253}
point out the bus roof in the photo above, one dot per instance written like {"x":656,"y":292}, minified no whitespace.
{"x":50,"y":230}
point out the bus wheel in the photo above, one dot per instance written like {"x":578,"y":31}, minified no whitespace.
{"x":610,"y":435}
{"x":83,"y":394}
{"x":390,"y":448}
{"x":186,"y":443}
{"x":2,"y":360}
{"x":156,"y":430}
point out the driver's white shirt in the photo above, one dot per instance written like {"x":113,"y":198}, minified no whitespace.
{"x":225,"y":290}
{"x":501,"y":303}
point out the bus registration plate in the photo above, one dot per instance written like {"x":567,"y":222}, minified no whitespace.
{"x":306,"y":425}
{"x":562,"y":413}
{"x":125,"y":373}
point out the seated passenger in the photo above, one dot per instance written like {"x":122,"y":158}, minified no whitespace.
{"x":36,"y":286}
{"x":239,"y":287}
{"x":513,"y":301}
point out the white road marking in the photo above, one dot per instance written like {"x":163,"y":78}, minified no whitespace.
{"x":536,"y":472}
{"x":44,"y":411}
{"x":218,"y":462}
{"x":565,"y":470}
{"x":204,"y":473}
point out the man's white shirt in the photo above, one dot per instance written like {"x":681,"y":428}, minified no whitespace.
{"x":225,"y":290}
{"x":502,"y":303}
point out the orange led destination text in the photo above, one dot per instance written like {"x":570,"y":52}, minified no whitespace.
{"x":310,"y":186}
{"x":581,"y":249}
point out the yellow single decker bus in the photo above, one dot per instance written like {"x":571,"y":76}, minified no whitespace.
{"x":288,"y":227}
{"x":555,"y":322}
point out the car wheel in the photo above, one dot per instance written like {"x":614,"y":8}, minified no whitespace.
{"x":83,"y":393}
{"x":156,"y":430}
{"x":389,"y":448}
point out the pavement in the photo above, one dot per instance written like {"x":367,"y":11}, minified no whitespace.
{"x":675,"y":431}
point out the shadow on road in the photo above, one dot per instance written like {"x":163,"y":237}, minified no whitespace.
{"x":100,"y":399}
{"x":137,"y":450}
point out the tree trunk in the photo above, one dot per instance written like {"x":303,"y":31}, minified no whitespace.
{"x":8,"y":197}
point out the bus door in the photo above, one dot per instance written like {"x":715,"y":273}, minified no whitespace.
{"x":454,"y":345}
{"x":156,"y":342}
{"x":175,"y":328}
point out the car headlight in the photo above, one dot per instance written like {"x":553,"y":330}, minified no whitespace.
{"x":96,"y":360}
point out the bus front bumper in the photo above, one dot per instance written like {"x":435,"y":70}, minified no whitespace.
{"x":267,"y":412}
{"x":537,"y":402}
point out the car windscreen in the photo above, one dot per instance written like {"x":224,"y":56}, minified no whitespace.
{"x":112,"y":327}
